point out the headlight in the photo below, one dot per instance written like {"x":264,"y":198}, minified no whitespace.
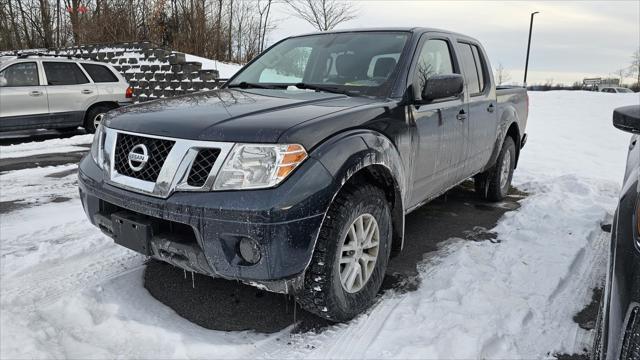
{"x":252,"y":166}
{"x":96,"y":147}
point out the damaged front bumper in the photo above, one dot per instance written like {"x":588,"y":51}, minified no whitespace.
{"x":203,"y":231}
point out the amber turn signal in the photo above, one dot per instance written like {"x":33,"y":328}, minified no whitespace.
{"x":294,"y":155}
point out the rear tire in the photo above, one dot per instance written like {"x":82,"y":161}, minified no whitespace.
{"x":345,"y":274}
{"x":494,"y":184}
{"x":94,"y":117}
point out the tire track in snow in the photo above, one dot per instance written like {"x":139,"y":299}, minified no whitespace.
{"x":344,"y":341}
{"x":49,"y":282}
{"x":588,"y":267}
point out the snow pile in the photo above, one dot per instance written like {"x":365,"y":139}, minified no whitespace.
{"x":67,"y":291}
{"x":226,"y":70}
{"x":74,"y":143}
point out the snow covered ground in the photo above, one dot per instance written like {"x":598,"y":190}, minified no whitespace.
{"x":67,"y":291}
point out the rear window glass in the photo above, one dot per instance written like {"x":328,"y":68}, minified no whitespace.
{"x":100,"y":73}
{"x":470,"y":70}
{"x":64,"y":73}
{"x":479,"y":67}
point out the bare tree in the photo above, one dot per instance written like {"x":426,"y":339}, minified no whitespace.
{"x":621,"y":74}
{"x":323,"y":14}
{"x":217,"y":29}
{"x":263,"y":11}
{"x":634,"y":69}
{"x":502,"y":75}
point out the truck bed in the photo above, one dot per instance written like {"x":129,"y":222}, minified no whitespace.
{"x":515,"y":98}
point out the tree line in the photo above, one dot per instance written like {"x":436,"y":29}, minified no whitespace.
{"x":231,"y":30}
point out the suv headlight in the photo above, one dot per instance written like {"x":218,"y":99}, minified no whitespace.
{"x":97,"y":147}
{"x":253,"y":166}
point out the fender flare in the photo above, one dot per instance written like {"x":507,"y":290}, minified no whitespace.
{"x":367,"y":152}
{"x":508,"y":118}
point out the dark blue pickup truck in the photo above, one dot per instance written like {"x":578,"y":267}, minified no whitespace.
{"x":297,"y":174}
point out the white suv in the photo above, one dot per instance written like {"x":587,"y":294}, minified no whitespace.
{"x":615,"y":89}
{"x":51,"y":92}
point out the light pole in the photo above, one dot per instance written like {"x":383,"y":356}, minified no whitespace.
{"x":526,"y":64}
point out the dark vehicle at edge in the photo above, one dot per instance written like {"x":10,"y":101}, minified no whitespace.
{"x":618,"y":328}
{"x":296,"y":176}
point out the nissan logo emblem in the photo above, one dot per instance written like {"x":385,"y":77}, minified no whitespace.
{"x":138,"y":157}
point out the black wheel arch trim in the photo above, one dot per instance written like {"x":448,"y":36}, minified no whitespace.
{"x":508,"y":120}
{"x":370,"y":153}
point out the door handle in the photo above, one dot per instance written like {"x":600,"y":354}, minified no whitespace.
{"x":35,"y":93}
{"x":86,"y":91}
{"x":491,"y":108}
{"x":462,"y":116}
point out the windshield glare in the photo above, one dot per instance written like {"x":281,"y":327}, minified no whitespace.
{"x":360,"y":62}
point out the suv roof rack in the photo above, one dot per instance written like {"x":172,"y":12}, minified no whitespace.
{"x":23,"y":55}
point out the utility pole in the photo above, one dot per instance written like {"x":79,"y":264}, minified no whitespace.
{"x":526,"y":65}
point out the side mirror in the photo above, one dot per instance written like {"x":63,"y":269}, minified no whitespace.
{"x":627,"y":118}
{"x":3,"y":81}
{"x":442,"y":86}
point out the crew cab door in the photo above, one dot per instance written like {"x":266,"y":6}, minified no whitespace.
{"x":482,"y":107}
{"x":70,"y":92}
{"x":23,"y":100}
{"x":441,"y":125}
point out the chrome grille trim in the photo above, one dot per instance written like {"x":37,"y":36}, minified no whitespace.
{"x":201,"y":167}
{"x":175,"y":170}
{"x":158,"y":151}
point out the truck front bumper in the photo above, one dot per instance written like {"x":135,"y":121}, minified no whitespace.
{"x":203,"y":231}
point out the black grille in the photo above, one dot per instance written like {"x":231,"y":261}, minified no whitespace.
{"x":158,"y":150}
{"x":202,"y":166}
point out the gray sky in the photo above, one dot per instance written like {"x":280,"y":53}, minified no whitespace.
{"x":571,"y":39}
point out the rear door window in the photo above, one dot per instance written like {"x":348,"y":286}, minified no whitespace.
{"x":63,"y":73}
{"x":21,"y":74}
{"x":100,"y":73}
{"x":471,"y":73}
{"x":480,"y":68}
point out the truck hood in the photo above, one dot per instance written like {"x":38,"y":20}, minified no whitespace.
{"x":259,"y":116}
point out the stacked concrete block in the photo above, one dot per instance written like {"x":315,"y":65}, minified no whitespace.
{"x":151,"y":71}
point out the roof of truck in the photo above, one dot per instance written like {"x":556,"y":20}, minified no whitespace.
{"x":413,"y":29}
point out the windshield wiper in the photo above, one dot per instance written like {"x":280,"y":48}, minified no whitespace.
{"x":246,"y":85}
{"x":330,"y":89}
{"x":303,"y":86}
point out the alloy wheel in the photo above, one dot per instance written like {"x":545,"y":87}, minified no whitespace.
{"x":359,"y":253}
{"x":506,"y":170}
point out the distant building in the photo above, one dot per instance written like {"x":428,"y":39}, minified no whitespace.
{"x":594,"y":84}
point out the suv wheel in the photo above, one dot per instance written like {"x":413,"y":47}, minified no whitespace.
{"x":94,"y":117}
{"x":494,"y":184}
{"x":351,"y":255}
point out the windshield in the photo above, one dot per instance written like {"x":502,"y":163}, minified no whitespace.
{"x":624,"y":90}
{"x":360,"y":63}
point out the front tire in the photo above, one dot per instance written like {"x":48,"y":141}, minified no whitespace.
{"x":94,"y":117}
{"x":351,"y":255}
{"x":494,"y":184}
